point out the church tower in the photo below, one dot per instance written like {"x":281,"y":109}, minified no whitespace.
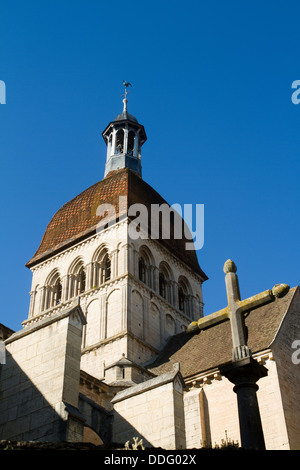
{"x":124,"y":138}
{"x":135,"y":292}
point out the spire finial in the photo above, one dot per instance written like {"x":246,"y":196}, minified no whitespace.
{"x":125,"y":100}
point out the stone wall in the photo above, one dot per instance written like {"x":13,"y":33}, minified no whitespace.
{"x":152,"y":411}
{"x":39,"y":383}
{"x":216,"y":417}
{"x":287,"y":365}
{"x":123,"y":304}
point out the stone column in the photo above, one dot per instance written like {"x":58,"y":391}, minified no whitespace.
{"x":145,"y":317}
{"x":170,"y":291}
{"x":113,"y":144}
{"x":89,"y":276}
{"x":108,"y":154}
{"x":75,"y":280}
{"x":96,"y":269}
{"x":43,"y":295}
{"x":32,"y":302}
{"x":126,"y":307}
{"x":155,"y":286}
{"x":103,"y":308}
{"x":176,"y":299}
{"x":65,"y":288}
{"x":51,"y":296}
{"x":127,"y":256}
{"x":190,"y":305}
{"x":113,"y":262}
{"x":151,"y":276}
{"x":244,"y":374}
{"x":70,"y":286}
{"x":125,"y":141}
{"x":136,"y":145}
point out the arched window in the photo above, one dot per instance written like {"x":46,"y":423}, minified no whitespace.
{"x":146,"y":266}
{"x":101,"y":267}
{"x":162,"y":285}
{"x":165,"y":284}
{"x":106,"y":269}
{"x":181,"y":298}
{"x":184,"y":296}
{"x":142,"y":270}
{"x":53,"y":291}
{"x":76,"y":283}
{"x":81,"y":281}
{"x":130,"y":144}
{"x":57,"y":292}
{"x":120,"y":141}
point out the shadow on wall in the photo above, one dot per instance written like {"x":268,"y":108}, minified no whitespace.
{"x":124,"y":432}
{"x":26,"y":415}
{"x":97,"y":421}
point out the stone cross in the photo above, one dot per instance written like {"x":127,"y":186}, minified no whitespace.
{"x":244,"y":372}
{"x":236,"y":311}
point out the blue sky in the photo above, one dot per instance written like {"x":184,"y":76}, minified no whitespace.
{"x":212,"y":86}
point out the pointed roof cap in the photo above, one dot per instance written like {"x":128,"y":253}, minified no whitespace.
{"x":125,"y":116}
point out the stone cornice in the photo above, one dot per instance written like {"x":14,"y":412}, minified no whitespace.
{"x":91,"y":238}
{"x":207,"y":377}
{"x":78,"y":245}
{"x":120,"y":335}
{"x":48,"y":320}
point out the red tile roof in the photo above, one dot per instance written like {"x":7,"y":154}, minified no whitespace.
{"x":77,"y":219}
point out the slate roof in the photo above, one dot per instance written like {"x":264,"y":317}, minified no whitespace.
{"x":147,"y":385}
{"x":77,"y":219}
{"x":211,"y":347}
{"x":125,"y":116}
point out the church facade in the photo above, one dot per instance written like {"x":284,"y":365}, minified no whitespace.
{"x":106,"y":354}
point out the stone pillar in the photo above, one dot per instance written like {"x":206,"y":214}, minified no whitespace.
{"x":32,"y":302}
{"x":244,"y":374}
{"x":125,"y":141}
{"x":145,"y":318}
{"x":75,"y":280}
{"x":190,"y":305}
{"x":65,"y":288}
{"x":151,"y":277}
{"x":113,"y":145}
{"x":126,"y":307}
{"x":103,"y":309}
{"x":136,"y":145}
{"x":169,"y":292}
{"x":176,"y":299}
{"x":43,"y":297}
{"x":70,"y":286}
{"x":51,"y":296}
{"x":155,"y":286}
{"x":127,"y":257}
{"x":114,"y":260}
{"x":95,"y":274}
{"x":108,"y":154}
{"x":89,"y":276}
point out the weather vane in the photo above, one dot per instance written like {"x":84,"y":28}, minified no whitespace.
{"x":126,"y":85}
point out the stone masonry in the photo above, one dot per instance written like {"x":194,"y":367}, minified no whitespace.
{"x":40,"y":380}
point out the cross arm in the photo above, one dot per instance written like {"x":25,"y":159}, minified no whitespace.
{"x":209,"y":320}
{"x":263,"y":298}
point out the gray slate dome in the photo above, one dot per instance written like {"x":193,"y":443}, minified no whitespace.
{"x":125,"y":116}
